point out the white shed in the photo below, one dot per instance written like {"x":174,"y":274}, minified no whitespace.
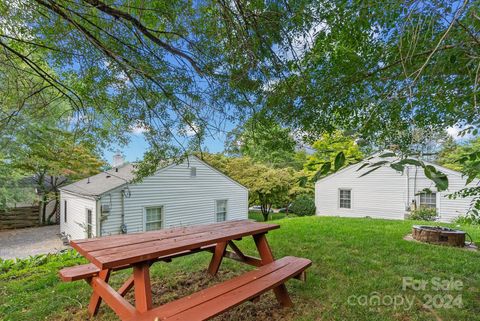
{"x":188,"y":193}
{"x":386,"y":193}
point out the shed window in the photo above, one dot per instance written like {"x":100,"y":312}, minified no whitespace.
{"x":428,"y":200}
{"x":153,"y":218}
{"x":345,"y":198}
{"x":193,"y":172}
{"x":221,"y":210}
{"x":65,"y":211}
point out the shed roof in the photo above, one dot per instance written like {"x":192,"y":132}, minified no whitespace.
{"x":103,"y":182}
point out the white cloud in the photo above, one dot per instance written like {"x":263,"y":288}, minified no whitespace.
{"x":454,"y":132}
{"x":139,"y":128}
{"x":191,"y":130}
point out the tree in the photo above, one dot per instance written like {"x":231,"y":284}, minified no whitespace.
{"x":263,"y":140}
{"x":267,"y":186}
{"x":53,"y":158}
{"x":325,"y":159}
{"x":457,"y":156}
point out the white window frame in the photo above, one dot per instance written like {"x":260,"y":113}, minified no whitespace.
{"x":216,"y":207}
{"x":339,"y":198}
{"x":86,"y":222}
{"x":162,"y":220}
{"x":420,"y":200}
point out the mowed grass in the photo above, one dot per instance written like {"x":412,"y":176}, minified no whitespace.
{"x":257,"y":216}
{"x":352,"y":258}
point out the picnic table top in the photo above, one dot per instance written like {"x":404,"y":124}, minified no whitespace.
{"x":119,"y":250}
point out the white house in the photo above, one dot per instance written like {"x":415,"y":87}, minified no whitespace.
{"x":386,"y":193}
{"x":188,"y":193}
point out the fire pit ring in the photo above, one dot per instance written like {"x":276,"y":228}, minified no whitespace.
{"x":439,"y":235}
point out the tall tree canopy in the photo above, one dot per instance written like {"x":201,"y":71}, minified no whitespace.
{"x":263,"y":140}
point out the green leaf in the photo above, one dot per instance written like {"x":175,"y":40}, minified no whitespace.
{"x":325,"y":168}
{"x":363,"y":166}
{"x":470,"y":178}
{"x":322,"y":171}
{"x":411,"y":161}
{"x":339,"y":160}
{"x":397,"y":166}
{"x":439,"y":178}
{"x":391,"y":154}
{"x":372,"y":170}
{"x":380,"y":163}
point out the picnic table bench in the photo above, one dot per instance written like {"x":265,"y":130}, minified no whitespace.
{"x":140,"y":250}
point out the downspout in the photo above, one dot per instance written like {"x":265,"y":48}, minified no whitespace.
{"x":408,"y":189}
{"x":98,"y":217}
{"x":123,"y":227}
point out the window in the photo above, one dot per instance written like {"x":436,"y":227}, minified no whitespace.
{"x":193,"y":172}
{"x":221,"y":210}
{"x":89,"y":223}
{"x":65,"y":211}
{"x":428,"y":200}
{"x":153,"y":218}
{"x":345,"y":197}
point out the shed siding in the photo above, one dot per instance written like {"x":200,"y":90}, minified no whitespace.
{"x":380,"y":194}
{"x":76,"y":215}
{"x":186,"y":200}
{"x":386,"y":193}
{"x":448,"y":209}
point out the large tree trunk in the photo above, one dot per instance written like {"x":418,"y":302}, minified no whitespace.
{"x":266,"y":211}
{"x":44,"y":208}
{"x":55,"y":208}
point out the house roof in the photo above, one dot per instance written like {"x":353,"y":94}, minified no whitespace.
{"x":103,"y":182}
{"x":97,"y":185}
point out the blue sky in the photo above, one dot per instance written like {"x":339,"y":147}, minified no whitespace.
{"x":137,"y":146}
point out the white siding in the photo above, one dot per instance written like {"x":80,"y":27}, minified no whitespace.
{"x":386,"y":193}
{"x":448,"y":209}
{"x":379,"y":194}
{"x":76,"y":215}
{"x":186,"y":200}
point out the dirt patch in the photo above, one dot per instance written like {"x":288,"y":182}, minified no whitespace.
{"x":182,"y":284}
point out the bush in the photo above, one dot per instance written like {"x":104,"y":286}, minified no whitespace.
{"x":303,"y":205}
{"x":468,"y":219}
{"x":424,"y":214}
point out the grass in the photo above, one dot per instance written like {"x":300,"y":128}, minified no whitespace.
{"x":352,"y":259}
{"x":257,"y":216}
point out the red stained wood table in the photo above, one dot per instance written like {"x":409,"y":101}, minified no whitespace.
{"x":140,"y":250}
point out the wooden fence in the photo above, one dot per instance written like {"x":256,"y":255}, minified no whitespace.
{"x":20,"y":217}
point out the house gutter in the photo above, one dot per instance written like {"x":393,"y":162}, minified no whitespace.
{"x":123,"y":227}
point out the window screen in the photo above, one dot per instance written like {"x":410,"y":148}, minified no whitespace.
{"x":428,"y":200}
{"x":345,"y":196}
{"x":221,"y":210}
{"x":153,"y":218}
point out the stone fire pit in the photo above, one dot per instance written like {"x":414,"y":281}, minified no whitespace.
{"x":438,"y":235}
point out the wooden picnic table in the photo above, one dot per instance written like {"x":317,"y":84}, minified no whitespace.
{"x":140,"y":250}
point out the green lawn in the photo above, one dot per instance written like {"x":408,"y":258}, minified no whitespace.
{"x":257,"y":216}
{"x":353,"y":259}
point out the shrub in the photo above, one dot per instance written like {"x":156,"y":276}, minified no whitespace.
{"x":424,"y":214}
{"x":468,"y":219}
{"x":303,"y":205}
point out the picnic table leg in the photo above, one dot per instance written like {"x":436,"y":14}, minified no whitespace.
{"x":217,"y":258}
{"x":143,"y":289}
{"x":127,"y":286}
{"x":267,"y":257}
{"x":95,"y":300}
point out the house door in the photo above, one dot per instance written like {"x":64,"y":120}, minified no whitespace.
{"x":89,"y":223}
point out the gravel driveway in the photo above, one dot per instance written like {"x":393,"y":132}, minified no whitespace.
{"x":22,"y":243}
